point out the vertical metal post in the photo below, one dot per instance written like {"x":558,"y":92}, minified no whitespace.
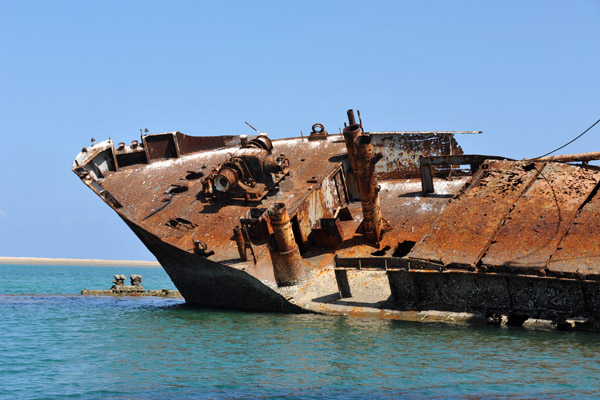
{"x":426,"y":178}
{"x":341,"y":277}
{"x":241,"y":243}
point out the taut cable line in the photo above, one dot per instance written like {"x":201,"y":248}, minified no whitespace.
{"x":566,"y":144}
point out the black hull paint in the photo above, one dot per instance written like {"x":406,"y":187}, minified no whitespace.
{"x":204,"y":282}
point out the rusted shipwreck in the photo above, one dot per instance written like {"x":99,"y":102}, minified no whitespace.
{"x":396,"y":224}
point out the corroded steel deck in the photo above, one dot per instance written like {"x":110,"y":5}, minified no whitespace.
{"x":464,"y":231}
{"x":514,"y":217}
{"x":189,"y":216}
{"x":541,"y":217}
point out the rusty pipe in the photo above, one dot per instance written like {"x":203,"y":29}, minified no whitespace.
{"x":351,"y":119}
{"x":366,"y":158}
{"x":282,"y":228}
{"x":287,"y":261}
{"x":595,"y":155}
{"x":350,"y":133}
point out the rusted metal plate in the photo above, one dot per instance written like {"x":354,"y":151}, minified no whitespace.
{"x":160,"y":146}
{"x":540,"y":218}
{"x":579,"y":252}
{"x":191,"y":144}
{"x":411,"y":213}
{"x":464,"y":230}
{"x":401,"y":152}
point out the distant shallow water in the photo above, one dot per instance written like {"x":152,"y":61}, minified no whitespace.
{"x":56,"y":346}
{"x":54,"y":279}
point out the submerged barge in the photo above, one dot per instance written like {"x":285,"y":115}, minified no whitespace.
{"x":396,"y":224}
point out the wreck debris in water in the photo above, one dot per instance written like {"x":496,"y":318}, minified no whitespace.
{"x":395,"y":224}
{"x":134,"y":289}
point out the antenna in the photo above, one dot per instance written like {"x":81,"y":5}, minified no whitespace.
{"x":360,"y":119}
{"x":257,"y":131}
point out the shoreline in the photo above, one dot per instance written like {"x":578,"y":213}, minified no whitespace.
{"x":81,"y":262}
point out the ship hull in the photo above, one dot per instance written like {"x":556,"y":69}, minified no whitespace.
{"x":516,"y":296}
{"x":203,"y":282}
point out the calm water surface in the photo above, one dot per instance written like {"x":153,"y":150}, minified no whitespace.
{"x":56,"y":344}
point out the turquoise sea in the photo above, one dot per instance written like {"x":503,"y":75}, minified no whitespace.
{"x":55,"y":343}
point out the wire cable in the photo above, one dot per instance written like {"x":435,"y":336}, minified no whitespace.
{"x":565,"y":145}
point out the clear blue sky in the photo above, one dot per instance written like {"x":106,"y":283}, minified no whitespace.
{"x":527,"y":73}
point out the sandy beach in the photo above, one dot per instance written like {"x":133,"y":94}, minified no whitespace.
{"x":77,"y":262}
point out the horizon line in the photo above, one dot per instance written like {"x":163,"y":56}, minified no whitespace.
{"x":75,"y":261}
